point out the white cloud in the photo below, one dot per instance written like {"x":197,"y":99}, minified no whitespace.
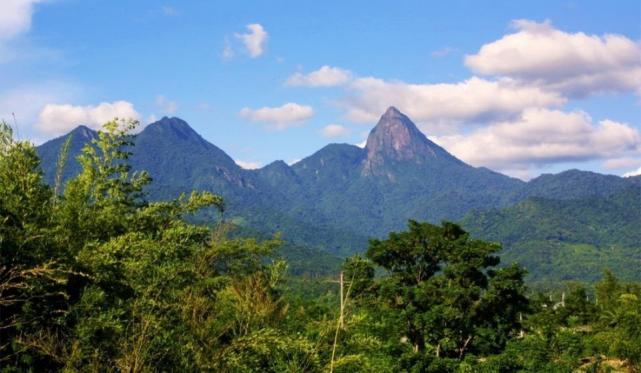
{"x":254,"y":40}
{"x":57,"y":119}
{"x":166,"y":105}
{"x":151,"y":119}
{"x":281,"y":117}
{"x":15,"y":20}
{"x":15,"y":17}
{"x":636,"y":172}
{"x":440,"y":107}
{"x":326,"y":76}
{"x":248,"y":165}
{"x":333,"y":131}
{"x":27,"y":100}
{"x":524,"y":174}
{"x":573,"y":63}
{"x":622,"y":163}
{"x":541,"y":137}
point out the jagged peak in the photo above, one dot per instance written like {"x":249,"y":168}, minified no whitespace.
{"x":395,"y":137}
{"x":392,"y":112}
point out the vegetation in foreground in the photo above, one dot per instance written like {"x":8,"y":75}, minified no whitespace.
{"x":96,"y":278}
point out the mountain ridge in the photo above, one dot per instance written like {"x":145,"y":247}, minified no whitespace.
{"x":339,"y":196}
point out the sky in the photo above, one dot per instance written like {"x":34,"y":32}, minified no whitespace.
{"x":521,"y":87}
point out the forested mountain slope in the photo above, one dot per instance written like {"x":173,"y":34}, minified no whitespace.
{"x":341,"y":195}
{"x":568,"y":239}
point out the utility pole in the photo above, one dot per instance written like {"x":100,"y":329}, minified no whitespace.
{"x":342,"y":310}
{"x":341,"y":317}
{"x":340,"y":323}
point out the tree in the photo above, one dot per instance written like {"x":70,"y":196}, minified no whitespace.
{"x":447,"y":293}
{"x":619,"y":325}
{"x":34,"y":269}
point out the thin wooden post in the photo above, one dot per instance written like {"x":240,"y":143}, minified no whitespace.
{"x":340,"y":324}
{"x":342,"y":310}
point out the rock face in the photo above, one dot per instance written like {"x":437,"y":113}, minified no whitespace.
{"x":395,"y":139}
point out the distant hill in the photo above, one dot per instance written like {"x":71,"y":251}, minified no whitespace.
{"x":50,"y":151}
{"x":574,"y":184}
{"x":342,"y":195}
{"x":568,"y":239}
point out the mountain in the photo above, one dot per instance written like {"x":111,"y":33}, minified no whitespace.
{"x":340,"y":196}
{"x":568,"y":239}
{"x":574,"y":184}
{"x":395,"y":139}
{"x":400,"y":174}
{"x":50,"y":151}
{"x":180,"y":160}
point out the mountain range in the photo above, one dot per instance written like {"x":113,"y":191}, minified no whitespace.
{"x":342,"y":195}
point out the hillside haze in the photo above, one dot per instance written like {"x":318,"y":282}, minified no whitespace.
{"x":341,"y":195}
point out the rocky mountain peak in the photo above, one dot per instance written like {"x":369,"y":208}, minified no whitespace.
{"x":397,"y":138}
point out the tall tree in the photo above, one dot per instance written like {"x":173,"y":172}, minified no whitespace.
{"x":33,"y":268}
{"x":446,"y":291}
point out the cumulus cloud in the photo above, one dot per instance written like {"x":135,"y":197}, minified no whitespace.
{"x":636,"y":172}
{"x":511,"y":119}
{"x":254,"y":40}
{"x":333,"y":131}
{"x":575,"y":64}
{"x":541,"y":137}
{"x":15,"y":17}
{"x":440,"y":107}
{"x":622,"y":163}
{"x":281,"y":117}
{"x":27,"y":100}
{"x":57,"y":119}
{"x":326,"y":76}
{"x":15,"y":20}
{"x":166,"y":105}
{"x":248,"y":165}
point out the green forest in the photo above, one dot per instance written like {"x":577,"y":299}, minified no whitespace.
{"x":95,"y":277}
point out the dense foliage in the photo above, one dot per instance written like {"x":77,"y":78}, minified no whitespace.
{"x":95,"y":277}
{"x":560,"y":240}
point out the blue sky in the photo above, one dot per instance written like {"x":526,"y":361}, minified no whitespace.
{"x":523,"y":88}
